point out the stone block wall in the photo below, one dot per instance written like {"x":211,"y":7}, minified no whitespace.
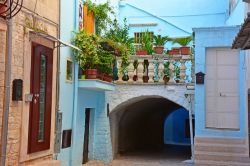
{"x":42,"y":16}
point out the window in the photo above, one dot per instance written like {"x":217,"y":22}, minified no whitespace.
{"x":88,"y":20}
{"x":138,"y":36}
{"x":69,"y":70}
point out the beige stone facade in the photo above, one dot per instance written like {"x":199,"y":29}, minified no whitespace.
{"x":35,"y":16}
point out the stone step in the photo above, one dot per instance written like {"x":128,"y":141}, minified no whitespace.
{"x":231,"y":148}
{"x":219,"y":163}
{"x":217,"y":156}
{"x":225,"y":141}
{"x":46,"y":163}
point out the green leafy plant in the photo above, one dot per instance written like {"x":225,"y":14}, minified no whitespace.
{"x":106,"y":59}
{"x":160,"y":41}
{"x":88,"y":44}
{"x":146,"y":42}
{"x":120,"y":34}
{"x":121,"y":42}
{"x":166,"y":70}
{"x":102,"y":14}
{"x":177,"y":70}
{"x":183,"y":41}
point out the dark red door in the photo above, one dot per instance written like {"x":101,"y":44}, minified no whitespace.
{"x":40,"y":107}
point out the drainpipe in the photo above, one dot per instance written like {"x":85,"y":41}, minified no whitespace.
{"x":58,"y":79}
{"x":6,"y":109}
{"x":191,"y":128}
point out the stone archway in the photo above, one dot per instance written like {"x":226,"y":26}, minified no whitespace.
{"x":139,"y":123}
{"x":125,"y":94}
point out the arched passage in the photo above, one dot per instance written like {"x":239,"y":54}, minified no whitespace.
{"x":139,"y":124}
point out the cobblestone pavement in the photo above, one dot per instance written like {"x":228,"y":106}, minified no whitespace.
{"x":172,"y":156}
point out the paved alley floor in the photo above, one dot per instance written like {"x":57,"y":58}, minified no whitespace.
{"x":170,"y":156}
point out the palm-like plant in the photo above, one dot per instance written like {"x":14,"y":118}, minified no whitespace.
{"x":183,"y":41}
{"x":146,"y":42}
{"x":160,"y":40}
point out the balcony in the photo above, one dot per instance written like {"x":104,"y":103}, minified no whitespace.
{"x":95,"y":84}
{"x":149,"y":69}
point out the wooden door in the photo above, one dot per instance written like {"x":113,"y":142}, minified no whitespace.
{"x":86,"y":136}
{"x":222,"y":88}
{"x":40,"y":106}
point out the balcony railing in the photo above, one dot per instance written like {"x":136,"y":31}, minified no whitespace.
{"x":150,"y":69}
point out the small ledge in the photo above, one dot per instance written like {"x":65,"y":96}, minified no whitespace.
{"x":95,"y":84}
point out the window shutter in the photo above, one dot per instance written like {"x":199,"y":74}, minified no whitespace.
{"x":88,"y":20}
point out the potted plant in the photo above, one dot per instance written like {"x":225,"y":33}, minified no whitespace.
{"x":107,"y":44}
{"x":166,"y":71}
{"x":135,"y":64}
{"x":177,"y":76}
{"x":159,"y":43}
{"x":105,"y":65}
{"x":122,"y":44}
{"x":146,"y":45}
{"x":184,"y":41}
{"x":87,"y":58}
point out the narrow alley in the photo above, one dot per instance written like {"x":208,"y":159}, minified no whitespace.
{"x":170,"y":156}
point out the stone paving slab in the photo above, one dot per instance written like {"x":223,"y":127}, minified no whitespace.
{"x":170,"y":156}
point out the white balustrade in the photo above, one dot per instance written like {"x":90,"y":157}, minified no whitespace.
{"x":150,"y":70}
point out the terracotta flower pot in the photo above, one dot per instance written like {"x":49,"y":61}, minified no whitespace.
{"x":166,"y":79}
{"x":177,"y":81}
{"x":100,"y":76}
{"x":145,"y":79}
{"x":185,"y":50}
{"x":159,"y":49}
{"x":91,"y":73}
{"x":107,"y":78}
{"x":174,"y":51}
{"x":135,"y":78}
{"x":141,"y":52}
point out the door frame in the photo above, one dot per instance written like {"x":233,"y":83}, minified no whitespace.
{"x":86,"y":136}
{"x":33,"y":144}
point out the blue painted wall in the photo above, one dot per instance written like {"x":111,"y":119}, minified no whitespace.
{"x":99,"y":127}
{"x":73,"y":102}
{"x":220,"y":37}
{"x":217,"y":38}
{"x":237,"y":15}
{"x":174,"y":128}
{"x":66,"y":102}
{"x":173,"y":18}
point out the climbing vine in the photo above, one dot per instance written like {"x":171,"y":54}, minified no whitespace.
{"x":102,"y":14}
